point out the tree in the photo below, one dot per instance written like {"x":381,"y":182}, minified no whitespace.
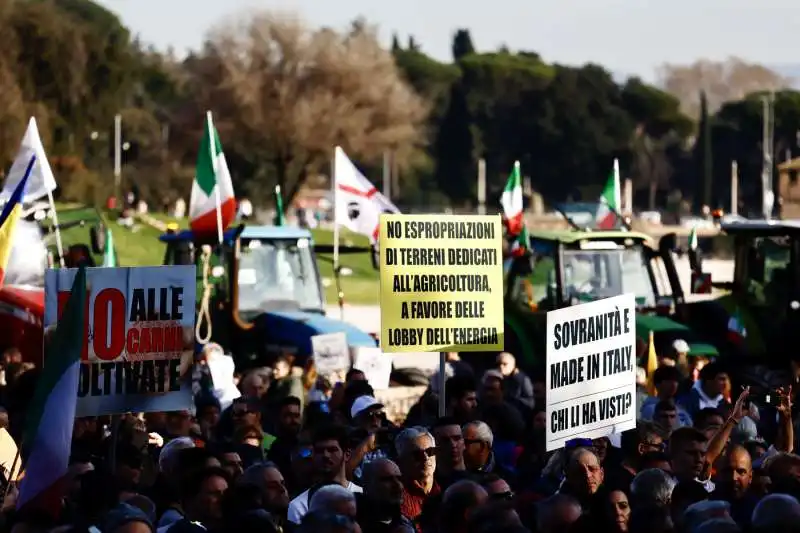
{"x":289,"y":94}
{"x":462,"y":44}
{"x":725,"y":81}
{"x":660,"y":128}
{"x":704,"y":153}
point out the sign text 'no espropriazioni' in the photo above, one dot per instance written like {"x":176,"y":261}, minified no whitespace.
{"x":441,"y":283}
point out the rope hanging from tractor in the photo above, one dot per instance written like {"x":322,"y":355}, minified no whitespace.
{"x":204,"y":312}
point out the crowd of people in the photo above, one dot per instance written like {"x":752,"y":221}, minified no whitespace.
{"x":289,"y":452}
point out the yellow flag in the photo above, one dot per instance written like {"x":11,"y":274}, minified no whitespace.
{"x":652,"y":364}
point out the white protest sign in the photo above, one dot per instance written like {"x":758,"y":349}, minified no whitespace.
{"x":138,"y":348}
{"x":591,"y":370}
{"x":376,"y":366}
{"x":331,"y":354}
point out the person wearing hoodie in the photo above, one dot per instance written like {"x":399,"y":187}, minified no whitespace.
{"x":707,"y":391}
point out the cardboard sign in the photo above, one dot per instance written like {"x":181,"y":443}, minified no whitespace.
{"x":331,"y":353}
{"x":138,"y":345}
{"x":441,"y":283}
{"x":591,"y":370}
{"x":376,"y":366}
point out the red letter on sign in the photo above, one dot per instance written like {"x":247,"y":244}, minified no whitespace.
{"x":63,"y":296}
{"x":109,"y":348}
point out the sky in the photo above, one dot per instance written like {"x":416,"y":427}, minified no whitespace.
{"x":629,"y":37}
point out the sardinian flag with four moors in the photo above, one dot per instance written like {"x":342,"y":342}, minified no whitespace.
{"x":358,"y":203}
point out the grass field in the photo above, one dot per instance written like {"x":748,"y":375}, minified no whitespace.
{"x":141,"y":247}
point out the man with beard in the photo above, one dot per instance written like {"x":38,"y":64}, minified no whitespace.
{"x":461,"y":398}
{"x":733,"y":484}
{"x":379,"y":505}
{"x":330,"y":452}
{"x":287,"y":427}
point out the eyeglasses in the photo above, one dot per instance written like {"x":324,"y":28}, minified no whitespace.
{"x":422,"y":454}
{"x":472,"y":441}
{"x":374,"y":414}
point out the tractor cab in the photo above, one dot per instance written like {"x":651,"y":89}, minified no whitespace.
{"x":262,"y":290}
{"x":569,"y":267}
{"x":760,"y":312}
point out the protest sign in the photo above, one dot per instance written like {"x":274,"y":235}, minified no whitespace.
{"x":376,"y":366}
{"x":138,"y":347}
{"x":591,"y":370}
{"x":331,"y":353}
{"x":441,"y":283}
{"x":10,"y":461}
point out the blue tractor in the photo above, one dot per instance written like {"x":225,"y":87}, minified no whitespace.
{"x":259,"y":293}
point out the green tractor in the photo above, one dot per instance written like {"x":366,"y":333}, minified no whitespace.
{"x":757,"y":320}
{"x":569,"y":267}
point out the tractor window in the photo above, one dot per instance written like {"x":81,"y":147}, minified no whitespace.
{"x":277,"y":274}
{"x":593,"y":274}
{"x":767,"y":270}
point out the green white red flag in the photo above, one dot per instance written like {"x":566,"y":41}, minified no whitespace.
{"x":511,"y":200}
{"x":610,"y":201}
{"x":213,"y":205}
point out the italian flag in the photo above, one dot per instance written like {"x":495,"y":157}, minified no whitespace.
{"x":512,"y":201}
{"x":736,"y":330}
{"x":693,"y":239}
{"x":213,"y":206}
{"x":521,"y":242}
{"x":47,"y":437}
{"x":610,"y":201}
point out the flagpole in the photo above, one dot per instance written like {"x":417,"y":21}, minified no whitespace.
{"x":339,"y":293}
{"x":212,"y":144}
{"x":59,"y":245}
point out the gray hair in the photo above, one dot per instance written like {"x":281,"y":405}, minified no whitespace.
{"x":254,"y":474}
{"x":327,"y":497}
{"x":402,"y":442}
{"x":550,"y":510}
{"x":774,"y":511}
{"x":484,"y":432}
{"x":168,"y":458}
{"x":652,"y":486}
{"x":701,"y":512}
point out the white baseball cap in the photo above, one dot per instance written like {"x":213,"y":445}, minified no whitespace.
{"x":680,"y":346}
{"x":363,"y":403}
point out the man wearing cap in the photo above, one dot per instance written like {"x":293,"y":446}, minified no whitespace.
{"x":368,"y":415}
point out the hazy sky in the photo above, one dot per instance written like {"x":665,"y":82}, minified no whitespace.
{"x":626,"y":36}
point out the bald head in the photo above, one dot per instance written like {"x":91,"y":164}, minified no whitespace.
{"x":458,"y":502}
{"x":506,"y":363}
{"x":737,"y":471}
{"x":383,"y":481}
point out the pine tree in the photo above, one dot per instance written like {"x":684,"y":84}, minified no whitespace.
{"x":462,"y":44}
{"x":706,"y":155}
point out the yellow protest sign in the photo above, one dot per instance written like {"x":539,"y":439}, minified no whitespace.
{"x":441,"y":283}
